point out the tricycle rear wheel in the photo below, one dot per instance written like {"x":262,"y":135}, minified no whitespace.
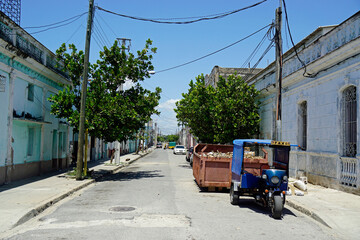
{"x":277,"y":207}
{"x":234,"y":196}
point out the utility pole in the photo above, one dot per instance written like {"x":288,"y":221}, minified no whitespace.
{"x":279,"y":63}
{"x":79,"y":164}
{"x":120,"y":88}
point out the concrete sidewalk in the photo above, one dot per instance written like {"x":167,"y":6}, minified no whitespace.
{"x":335,"y":209}
{"x":22,"y":200}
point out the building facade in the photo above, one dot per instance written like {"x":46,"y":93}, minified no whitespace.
{"x":32,"y":141}
{"x":320,"y":105}
{"x":216,"y":72}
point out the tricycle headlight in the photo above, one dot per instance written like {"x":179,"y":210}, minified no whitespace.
{"x":285,"y":178}
{"x":275,"y":180}
{"x":264,"y":176}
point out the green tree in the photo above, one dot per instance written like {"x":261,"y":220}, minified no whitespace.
{"x":111,"y":114}
{"x":196,"y":110}
{"x":236,"y":112}
{"x":221,"y":114}
{"x":161,"y":139}
{"x":172,"y":138}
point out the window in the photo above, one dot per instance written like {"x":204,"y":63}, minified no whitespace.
{"x":349,"y":121}
{"x":31,"y":92}
{"x":302,"y":131}
{"x":30,"y":147}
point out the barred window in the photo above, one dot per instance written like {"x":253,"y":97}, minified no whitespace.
{"x":302,"y":130}
{"x":349,"y":121}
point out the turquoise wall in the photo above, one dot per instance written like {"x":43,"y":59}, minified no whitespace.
{"x":21,"y":140}
{"x":4,"y":100}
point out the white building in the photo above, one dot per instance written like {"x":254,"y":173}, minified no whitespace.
{"x":321,"y":112}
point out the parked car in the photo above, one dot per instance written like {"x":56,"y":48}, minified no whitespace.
{"x":179,"y":149}
{"x":159,"y":145}
{"x":189,"y":152}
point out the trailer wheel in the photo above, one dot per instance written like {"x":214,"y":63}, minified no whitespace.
{"x":277,"y":207}
{"x":234,"y":196}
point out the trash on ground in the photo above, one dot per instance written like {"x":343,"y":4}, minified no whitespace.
{"x":300,"y":185}
{"x":299,"y":193}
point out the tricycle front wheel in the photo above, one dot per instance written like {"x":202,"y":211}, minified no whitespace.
{"x":277,"y":207}
{"x":234,"y":196}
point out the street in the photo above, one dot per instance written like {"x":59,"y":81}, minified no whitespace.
{"x":156,"y":197}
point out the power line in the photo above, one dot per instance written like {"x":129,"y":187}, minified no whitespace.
{"x":207,"y":55}
{"x":305,"y":74}
{"x":205,"y":18}
{"x":100,"y":36}
{"x":257,"y":48}
{"x":50,"y":28}
{"x":52,"y":24}
{"x":107,"y":25}
{"x":77,"y":30}
{"x":102,"y":32}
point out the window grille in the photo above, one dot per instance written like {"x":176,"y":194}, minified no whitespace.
{"x":350,"y":122}
{"x":303,"y":122}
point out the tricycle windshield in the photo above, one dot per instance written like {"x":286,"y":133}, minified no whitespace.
{"x":277,"y":156}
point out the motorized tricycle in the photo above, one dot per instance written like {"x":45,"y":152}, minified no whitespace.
{"x":260,"y":168}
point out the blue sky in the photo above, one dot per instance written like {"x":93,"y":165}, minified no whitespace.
{"x":178,"y":44}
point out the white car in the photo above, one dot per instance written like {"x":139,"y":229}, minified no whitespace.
{"x":179,"y":149}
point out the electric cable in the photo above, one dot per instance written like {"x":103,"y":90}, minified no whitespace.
{"x":102,"y":32}
{"x":101,"y":18}
{"x":99,"y":36}
{"x":257,"y":48}
{"x":95,"y":37}
{"x":52,"y":24}
{"x":50,"y":28}
{"x":305,"y":74}
{"x":76,"y":31}
{"x":207,"y":55}
{"x":212,"y":17}
{"x":259,"y":60}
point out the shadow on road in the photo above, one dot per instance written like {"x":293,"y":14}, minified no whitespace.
{"x":128,"y":176}
{"x":250,"y":203}
{"x":185,"y":166}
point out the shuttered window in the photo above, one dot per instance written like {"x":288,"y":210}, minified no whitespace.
{"x":31,"y":92}
{"x":30,"y":147}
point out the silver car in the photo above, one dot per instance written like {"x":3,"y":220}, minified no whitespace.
{"x":179,"y":149}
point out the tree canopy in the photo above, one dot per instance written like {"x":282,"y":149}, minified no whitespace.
{"x":111,"y":113}
{"x":221,"y":114}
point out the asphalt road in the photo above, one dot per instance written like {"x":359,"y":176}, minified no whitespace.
{"x":156,"y":197}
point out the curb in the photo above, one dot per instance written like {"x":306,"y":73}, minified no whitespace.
{"x":307,"y":212}
{"x":37,"y":210}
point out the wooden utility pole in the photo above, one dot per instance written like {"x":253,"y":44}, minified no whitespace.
{"x":279,"y":63}
{"x":79,"y":165}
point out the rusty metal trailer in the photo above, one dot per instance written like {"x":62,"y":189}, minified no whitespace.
{"x":212,"y":171}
